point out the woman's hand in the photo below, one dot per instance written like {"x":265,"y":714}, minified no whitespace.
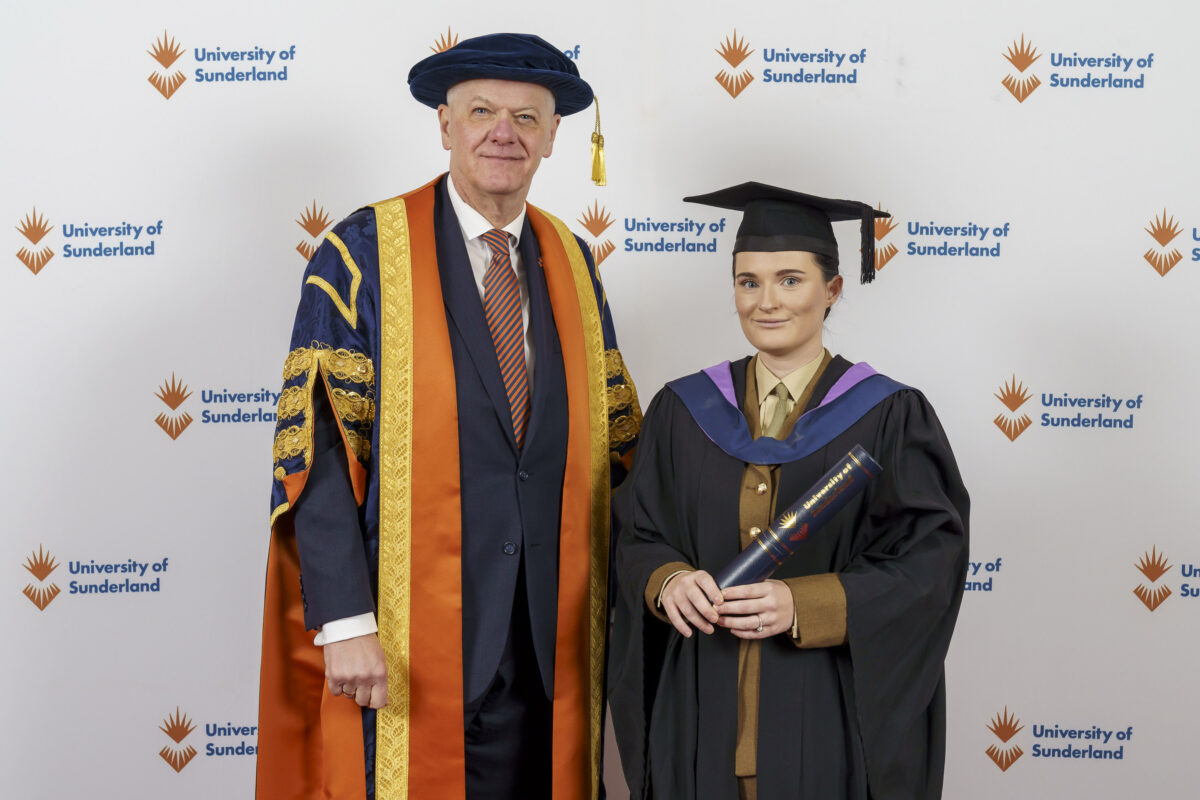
{"x":689,"y":598}
{"x":757,"y":610}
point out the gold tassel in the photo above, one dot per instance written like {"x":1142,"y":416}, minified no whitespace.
{"x":599,"y":171}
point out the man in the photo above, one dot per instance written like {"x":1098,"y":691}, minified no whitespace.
{"x":453,"y":406}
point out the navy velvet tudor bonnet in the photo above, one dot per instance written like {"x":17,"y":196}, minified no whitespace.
{"x":501,"y":56}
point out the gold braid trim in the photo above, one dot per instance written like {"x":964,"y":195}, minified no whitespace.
{"x":596,"y":365}
{"x":392,"y":723}
{"x":297,"y":401}
{"x":621,"y":429}
{"x":359,"y":445}
{"x":352,"y":406}
{"x":348,"y":310}
{"x":292,"y":402}
{"x":345,"y":365}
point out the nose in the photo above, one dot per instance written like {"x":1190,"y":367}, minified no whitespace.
{"x":502,"y":132}
{"x":766,"y":300}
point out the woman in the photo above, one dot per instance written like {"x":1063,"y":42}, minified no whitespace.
{"x":827,"y":680}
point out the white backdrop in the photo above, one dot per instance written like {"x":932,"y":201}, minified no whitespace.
{"x":215,"y":176}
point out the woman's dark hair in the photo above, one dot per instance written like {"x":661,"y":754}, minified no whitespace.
{"x":828,"y":265}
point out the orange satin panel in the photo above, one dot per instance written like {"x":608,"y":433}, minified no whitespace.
{"x":571,"y":657}
{"x":297,"y":758}
{"x":437,"y":763}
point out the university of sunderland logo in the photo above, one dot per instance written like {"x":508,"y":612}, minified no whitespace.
{"x":1013,"y":395}
{"x":884,"y":253}
{"x":40,"y":565}
{"x":177,"y":726}
{"x":166,"y":51}
{"x":1153,"y":566}
{"x":734,"y":50}
{"x":1021,"y":56}
{"x":34,"y":228}
{"x":1164,"y":257}
{"x":1004,"y":726}
{"x":173,"y":393}
{"x":444,"y":42}
{"x":314,"y":221}
{"x":596,"y":220}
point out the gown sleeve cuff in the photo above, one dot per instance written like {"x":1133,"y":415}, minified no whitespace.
{"x":658,"y":582}
{"x":820,"y":610}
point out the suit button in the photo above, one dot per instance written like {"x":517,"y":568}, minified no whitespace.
{"x":523,"y":475}
{"x":754,"y":532}
{"x":760,"y":489}
{"x":509,"y":548}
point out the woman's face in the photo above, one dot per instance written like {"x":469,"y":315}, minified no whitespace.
{"x":781,"y":300}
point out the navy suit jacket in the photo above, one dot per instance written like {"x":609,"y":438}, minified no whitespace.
{"x":511,"y":499}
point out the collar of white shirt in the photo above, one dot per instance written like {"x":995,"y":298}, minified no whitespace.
{"x":474,"y":224}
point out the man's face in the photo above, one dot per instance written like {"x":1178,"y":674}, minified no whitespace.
{"x":497,"y":133}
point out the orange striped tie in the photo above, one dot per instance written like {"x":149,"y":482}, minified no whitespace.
{"x":502,"y":307}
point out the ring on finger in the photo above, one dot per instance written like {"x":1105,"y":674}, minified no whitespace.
{"x":759,"y":628}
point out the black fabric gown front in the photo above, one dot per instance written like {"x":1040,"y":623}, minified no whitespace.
{"x":861,"y":721}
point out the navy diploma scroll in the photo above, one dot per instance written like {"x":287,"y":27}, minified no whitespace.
{"x":805,"y":517}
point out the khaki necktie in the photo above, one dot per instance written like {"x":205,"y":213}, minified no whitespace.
{"x":779,"y":414}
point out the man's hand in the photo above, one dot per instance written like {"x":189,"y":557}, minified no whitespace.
{"x":689,"y":597}
{"x":757,"y":610}
{"x":356,"y":668}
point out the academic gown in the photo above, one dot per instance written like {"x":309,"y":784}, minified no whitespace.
{"x":864,"y":720}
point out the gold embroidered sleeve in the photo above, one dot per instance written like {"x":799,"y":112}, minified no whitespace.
{"x":624,"y":411}
{"x":350,"y":377}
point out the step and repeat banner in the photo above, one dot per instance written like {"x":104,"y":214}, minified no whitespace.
{"x":168,"y":169}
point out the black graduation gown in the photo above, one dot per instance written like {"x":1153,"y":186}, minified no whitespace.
{"x":861,"y":721}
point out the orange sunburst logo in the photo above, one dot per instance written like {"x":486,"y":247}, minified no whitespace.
{"x":734,"y":84}
{"x":177,"y":726}
{"x":601,"y":251}
{"x":166,"y":51}
{"x":1013,"y":394}
{"x":41,"y":564}
{"x":884,"y":226}
{"x":735,"y":51}
{"x":34,"y":228}
{"x":178,"y":759}
{"x":314,"y":221}
{"x":1021,"y":55}
{"x":1153,"y":565}
{"x":1004,"y":727}
{"x":173,"y":392}
{"x":173,"y":426}
{"x":1013,"y":427}
{"x":445,"y":42}
{"x":1163,"y":229}
{"x":596,"y":219}
{"x":41,"y":596}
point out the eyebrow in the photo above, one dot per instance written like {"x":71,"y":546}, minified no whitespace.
{"x":481,"y":99}
{"x":777,"y":273}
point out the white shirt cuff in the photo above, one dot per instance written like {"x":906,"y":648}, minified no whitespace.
{"x":337,"y":630}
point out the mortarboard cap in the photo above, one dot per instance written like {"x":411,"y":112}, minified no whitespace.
{"x":777,"y":219}
{"x":501,"y":56}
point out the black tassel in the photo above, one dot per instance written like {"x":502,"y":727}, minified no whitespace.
{"x":868,"y":244}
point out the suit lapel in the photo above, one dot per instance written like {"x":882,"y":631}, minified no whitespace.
{"x":541,"y":319}
{"x":465,"y":310}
